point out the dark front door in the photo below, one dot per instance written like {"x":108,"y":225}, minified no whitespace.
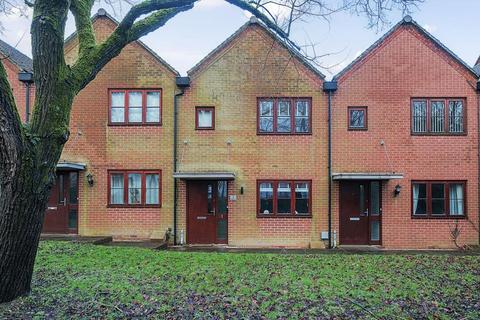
{"x":207,"y":212}
{"x":360,"y":212}
{"x":62,"y":211}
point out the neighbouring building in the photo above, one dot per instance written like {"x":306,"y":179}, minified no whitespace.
{"x":405,"y":144}
{"x":19,"y":68}
{"x":241,"y":151}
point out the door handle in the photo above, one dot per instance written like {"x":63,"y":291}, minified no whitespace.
{"x":366,"y":212}
{"x":63,"y":202}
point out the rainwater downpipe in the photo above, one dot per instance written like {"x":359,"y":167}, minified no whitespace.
{"x":27,"y":78}
{"x":182,"y":83}
{"x":329,"y":87}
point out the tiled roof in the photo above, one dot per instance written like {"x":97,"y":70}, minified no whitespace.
{"x":294,"y":51}
{"x":22,"y":61}
{"x":477,"y":66}
{"x":103,"y":13}
{"x":407,"y":20}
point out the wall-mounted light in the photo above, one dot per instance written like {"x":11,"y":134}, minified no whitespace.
{"x":90,"y":180}
{"x":397,"y":190}
{"x":242,"y":190}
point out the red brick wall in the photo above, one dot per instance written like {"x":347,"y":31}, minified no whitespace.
{"x":253,"y":65}
{"x":104,"y":147}
{"x":406,"y":65}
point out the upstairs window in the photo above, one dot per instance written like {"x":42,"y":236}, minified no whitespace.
{"x":438,"y":116}
{"x":357,"y":118}
{"x":205,"y":118}
{"x":284,"y":116}
{"x":438,"y":199}
{"x":284,"y":198}
{"x":135,"y":107}
{"x":134,"y":188}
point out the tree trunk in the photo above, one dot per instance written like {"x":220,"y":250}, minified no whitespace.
{"x":20,"y":226}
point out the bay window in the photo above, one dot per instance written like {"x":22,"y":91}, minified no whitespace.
{"x":284,"y":198}
{"x":437,"y":199}
{"x":284,"y":115}
{"x":135,"y":107}
{"x":438,"y":116}
{"x":134,"y":188}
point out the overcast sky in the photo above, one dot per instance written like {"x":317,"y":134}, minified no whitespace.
{"x":188,"y":37}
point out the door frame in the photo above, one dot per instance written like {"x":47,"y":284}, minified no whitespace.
{"x":65,"y":202}
{"x":369,"y":207}
{"x":214,"y":200}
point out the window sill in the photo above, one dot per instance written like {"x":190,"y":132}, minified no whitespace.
{"x":143,"y":206}
{"x":204,"y":129}
{"x":426,"y":134}
{"x":277,"y":216}
{"x":110,"y":124}
{"x":357,"y":129}
{"x":283,"y":134}
{"x":439,"y":217}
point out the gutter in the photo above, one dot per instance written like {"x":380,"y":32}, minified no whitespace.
{"x":330,"y":87}
{"x":182,"y":83}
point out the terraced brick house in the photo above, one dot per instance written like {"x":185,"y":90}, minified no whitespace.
{"x":405,"y":144}
{"x":241,"y":151}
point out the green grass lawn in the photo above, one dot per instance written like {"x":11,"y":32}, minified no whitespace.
{"x":86,"y":281}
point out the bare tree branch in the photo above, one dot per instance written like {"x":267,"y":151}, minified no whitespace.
{"x":81,"y":11}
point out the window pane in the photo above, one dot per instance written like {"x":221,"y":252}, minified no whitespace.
{"x":375,"y":198}
{"x":437,"y":116}
{"x":266,"y":116}
{"x":205,"y":118}
{"x":419,"y":198}
{"x":152,"y":195}
{"x":284,"y":197}
{"x":135,"y":106}
{"x":456,"y":199}
{"x":118,"y":99}
{"x":455,"y":116}
{"x":118,"y":115}
{"x":438,"y":198}
{"x":302,"y":109}
{"x":222,"y":197}
{"x":302,"y":198}
{"x":266,"y":198}
{"x":116,"y":189}
{"x":153,"y":99}
{"x":302,"y":114}
{"x":134,"y":188}
{"x":210,"y":198}
{"x":419,"y":114}
{"x":73,"y":187}
{"x":357,"y":119}
{"x":153,"y":115}
{"x":61,"y":189}
{"x":117,"y":107}
{"x":375,"y":230}
{"x":284,"y":123}
{"x":302,"y":124}
{"x":72,"y":218}
{"x":266,"y":124}
{"x":266,"y":108}
{"x":134,"y":114}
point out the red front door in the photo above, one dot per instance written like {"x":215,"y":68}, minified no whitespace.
{"x":360,"y":212}
{"x":62,"y":210}
{"x":207,"y":212}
